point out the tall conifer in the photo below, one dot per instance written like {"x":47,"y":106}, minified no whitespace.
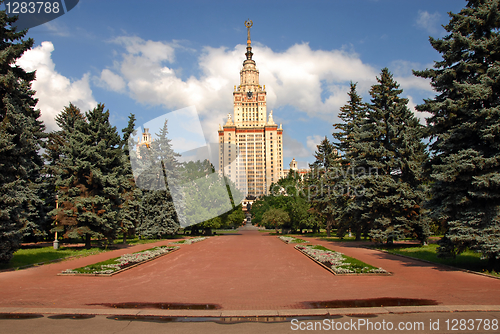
{"x":160,"y":179}
{"x":464,"y":128}
{"x":389,"y":149}
{"x":21,"y":134}
{"x":89,"y":178}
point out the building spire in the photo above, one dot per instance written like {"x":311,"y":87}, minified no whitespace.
{"x":249,"y":53}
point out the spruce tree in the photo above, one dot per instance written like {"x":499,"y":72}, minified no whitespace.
{"x":130,"y":215}
{"x":89,"y":179}
{"x":464,"y":123}
{"x":54,"y":149}
{"x":390,"y":153}
{"x":347,"y":188}
{"x":321,"y":184}
{"x":160,"y":182}
{"x":21,"y":134}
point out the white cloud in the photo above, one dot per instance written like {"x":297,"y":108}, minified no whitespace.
{"x":420,"y":115}
{"x":429,"y":22}
{"x":314,"y":82}
{"x":313,"y":142}
{"x":53,"y":90}
{"x":111,"y":81}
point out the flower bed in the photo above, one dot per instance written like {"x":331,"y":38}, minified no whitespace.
{"x":291,"y":240}
{"x":119,"y":264}
{"x":189,"y":241}
{"x":338,"y":263}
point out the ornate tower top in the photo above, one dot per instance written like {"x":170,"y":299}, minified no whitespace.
{"x":249,"y":53}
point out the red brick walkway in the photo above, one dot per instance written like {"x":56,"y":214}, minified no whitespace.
{"x":251,"y":271}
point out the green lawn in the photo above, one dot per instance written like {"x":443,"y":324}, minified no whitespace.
{"x":30,"y":256}
{"x":468,"y":260}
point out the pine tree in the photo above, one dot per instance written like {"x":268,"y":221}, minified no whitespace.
{"x":321,"y":184}
{"x":464,"y":129}
{"x":347,"y":187}
{"x":89,"y":178}
{"x":21,"y":134}
{"x":351,"y":114}
{"x":390,"y":153}
{"x":130,"y":215}
{"x":160,"y":181}
{"x":54,"y":148}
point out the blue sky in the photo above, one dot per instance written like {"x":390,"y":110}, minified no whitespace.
{"x":154,"y":57}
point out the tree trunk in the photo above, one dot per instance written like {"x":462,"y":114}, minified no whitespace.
{"x":358,"y":234}
{"x":328,"y":227}
{"x":87,"y":241}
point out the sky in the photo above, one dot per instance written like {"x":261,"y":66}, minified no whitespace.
{"x":150,"y":58}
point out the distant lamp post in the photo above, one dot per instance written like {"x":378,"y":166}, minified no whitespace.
{"x":56,"y":242}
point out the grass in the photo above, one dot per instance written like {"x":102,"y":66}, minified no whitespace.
{"x":337,"y":239}
{"x":295,"y":239}
{"x":467,"y":260}
{"x":351,"y":263}
{"x":31,"y":256}
{"x":137,"y":241}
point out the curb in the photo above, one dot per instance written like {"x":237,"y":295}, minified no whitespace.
{"x":254,"y":313}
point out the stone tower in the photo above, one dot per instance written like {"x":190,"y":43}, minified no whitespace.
{"x":250,"y":143}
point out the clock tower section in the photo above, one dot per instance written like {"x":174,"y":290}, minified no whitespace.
{"x":256,"y":141}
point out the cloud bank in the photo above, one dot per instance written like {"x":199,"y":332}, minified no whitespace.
{"x":53,"y":90}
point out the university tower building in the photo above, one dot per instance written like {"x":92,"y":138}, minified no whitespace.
{"x":250,"y":143}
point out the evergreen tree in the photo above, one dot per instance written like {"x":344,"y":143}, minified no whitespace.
{"x":89,"y":178}
{"x":321,"y":183}
{"x":464,"y":129}
{"x":130,"y":215}
{"x":21,"y":134}
{"x":351,"y":114}
{"x":344,"y":181}
{"x":54,"y":148}
{"x":389,"y":158}
{"x":160,"y":181}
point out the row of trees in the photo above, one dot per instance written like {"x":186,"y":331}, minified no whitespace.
{"x":387,"y":177}
{"x":86,"y":169}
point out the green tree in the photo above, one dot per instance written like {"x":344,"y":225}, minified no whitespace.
{"x":160,"y":181}
{"x":89,"y":178}
{"x":321,"y":183}
{"x":464,"y":123}
{"x":54,"y":148}
{"x":236,"y":217}
{"x":21,"y":134}
{"x":343,"y":178}
{"x":389,"y":158}
{"x":277,"y":218}
{"x":132,"y":195}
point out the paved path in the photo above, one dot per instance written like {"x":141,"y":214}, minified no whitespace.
{"x":247,"y":271}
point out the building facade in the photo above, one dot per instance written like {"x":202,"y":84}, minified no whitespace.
{"x":250,"y":143}
{"x":302,"y":172}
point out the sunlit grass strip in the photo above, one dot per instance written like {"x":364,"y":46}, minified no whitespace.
{"x":118,"y":264}
{"x":291,"y":240}
{"x":28,"y":257}
{"x":189,"y":241}
{"x":338,"y":263}
{"x":468,"y":260}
